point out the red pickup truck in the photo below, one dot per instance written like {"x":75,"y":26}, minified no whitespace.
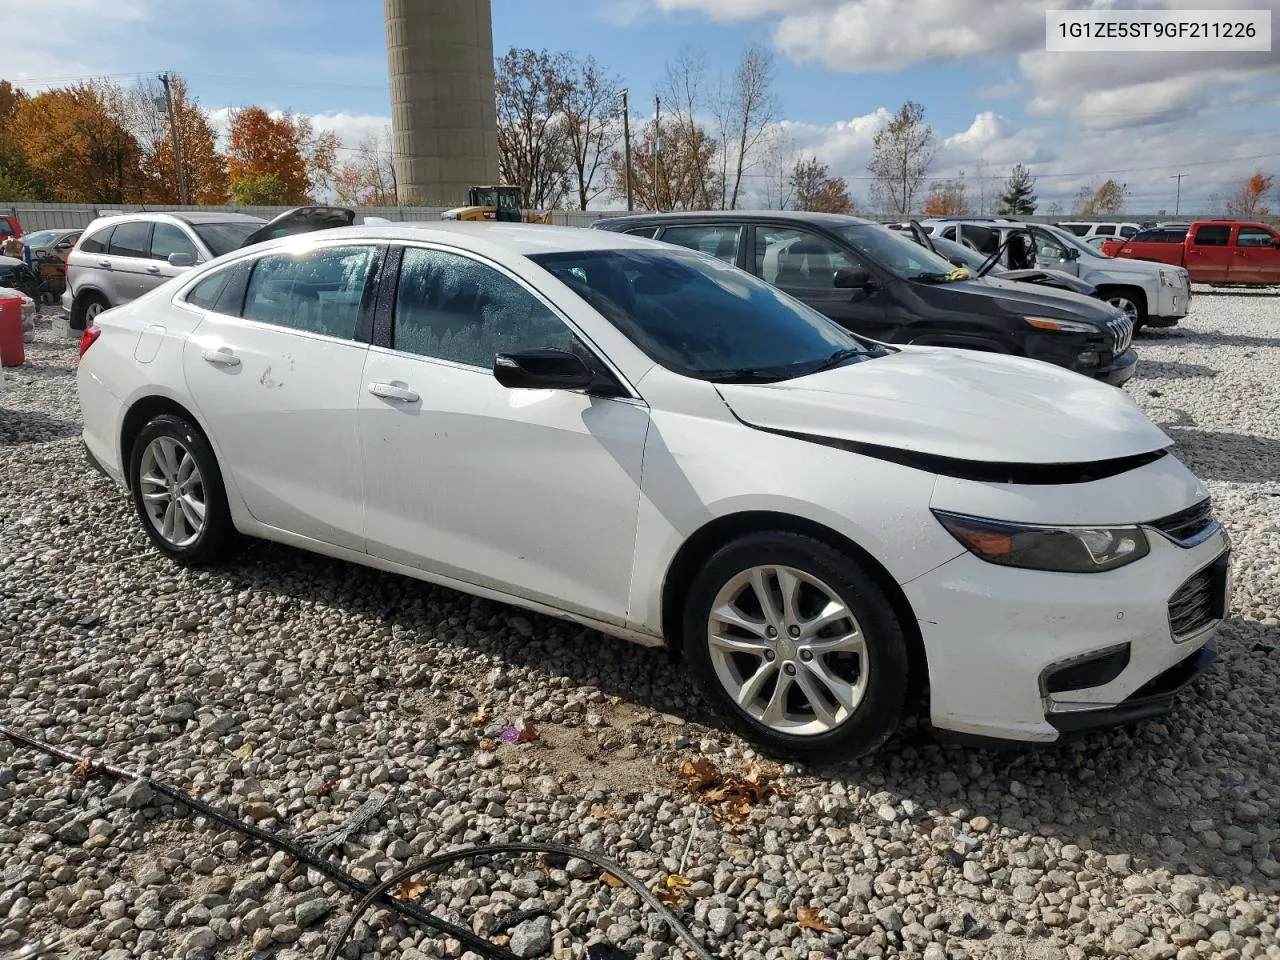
{"x":1213,"y":251}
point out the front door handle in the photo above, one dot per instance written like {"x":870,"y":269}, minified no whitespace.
{"x":222,"y":357}
{"x":393,"y":391}
{"x":153,"y":269}
{"x":105,"y":264}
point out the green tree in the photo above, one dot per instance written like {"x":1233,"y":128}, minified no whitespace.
{"x":259,"y":190}
{"x":816,"y":190}
{"x":1019,"y":197}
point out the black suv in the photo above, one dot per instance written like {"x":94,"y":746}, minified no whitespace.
{"x":880,"y":284}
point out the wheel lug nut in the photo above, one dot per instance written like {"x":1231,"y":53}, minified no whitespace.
{"x":794,"y":631}
{"x":769,"y":654}
{"x":806,"y":655}
{"x":790,"y":668}
{"x":770,"y":632}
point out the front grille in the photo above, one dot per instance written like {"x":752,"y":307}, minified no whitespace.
{"x":1185,"y":525}
{"x":1199,"y":602}
{"x":1121,"y":331}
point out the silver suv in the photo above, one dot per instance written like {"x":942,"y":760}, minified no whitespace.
{"x":120,"y":258}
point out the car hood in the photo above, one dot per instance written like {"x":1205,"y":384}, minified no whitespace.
{"x":1135,"y":268}
{"x":1032,"y":300}
{"x":957,"y":404}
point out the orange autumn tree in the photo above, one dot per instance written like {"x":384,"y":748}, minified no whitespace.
{"x":1247,"y":200}
{"x":75,"y":142}
{"x":263,"y":146}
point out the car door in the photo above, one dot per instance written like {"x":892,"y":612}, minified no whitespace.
{"x":275,"y":374}
{"x":1255,"y":257}
{"x":720,"y":240}
{"x":531,"y":492}
{"x":126,"y":265}
{"x":804,"y":264}
{"x":169,"y":238}
{"x":1052,"y":253}
{"x":1209,"y":253}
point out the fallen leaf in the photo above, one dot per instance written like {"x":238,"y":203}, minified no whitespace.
{"x":487,"y":744}
{"x":808,"y":919}
{"x":411,"y":889}
{"x":84,"y":770}
{"x":611,"y":880}
{"x":522,"y":731}
{"x":478,"y":718}
{"x":244,"y":751}
{"x":192,"y":792}
{"x":599,"y":811}
{"x":732,"y":793}
{"x":698,"y":774}
{"x":326,"y":788}
{"x":672,"y":890}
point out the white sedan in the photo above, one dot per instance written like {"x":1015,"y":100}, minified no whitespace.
{"x":643,"y":439}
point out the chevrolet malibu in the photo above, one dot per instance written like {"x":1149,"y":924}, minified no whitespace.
{"x":645,"y":440}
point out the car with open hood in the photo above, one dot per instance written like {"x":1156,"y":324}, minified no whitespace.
{"x":645,"y":440}
{"x":120,"y":257}
{"x":878,"y":283}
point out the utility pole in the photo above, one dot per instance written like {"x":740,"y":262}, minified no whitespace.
{"x":626,"y":146}
{"x":1177,"y":198}
{"x":177,"y":141}
{"x":657,"y":149}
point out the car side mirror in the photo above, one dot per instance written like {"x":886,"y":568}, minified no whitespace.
{"x":1072,"y":254}
{"x":1276,"y":243}
{"x":957,"y":262}
{"x":181,"y":260}
{"x":858,"y":279}
{"x":542,"y":370}
{"x":64,"y":245}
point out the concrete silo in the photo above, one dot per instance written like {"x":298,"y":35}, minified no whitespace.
{"x":443,"y":121}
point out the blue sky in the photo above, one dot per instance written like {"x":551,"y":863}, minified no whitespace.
{"x":978,"y":67}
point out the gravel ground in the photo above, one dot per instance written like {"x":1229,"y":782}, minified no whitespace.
{"x":292,"y":689}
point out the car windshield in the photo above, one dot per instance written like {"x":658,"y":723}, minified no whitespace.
{"x":222,"y":238}
{"x":40,"y":239}
{"x":1071,"y":240}
{"x":703,"y":318}
{"x":902,"y":257}
{"x":959,"y":252}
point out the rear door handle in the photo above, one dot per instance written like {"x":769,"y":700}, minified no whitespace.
{"x":153,"y":269}
{"x":393,"y":391}
{"x":222,"y":357}
{"x":105,"y":264}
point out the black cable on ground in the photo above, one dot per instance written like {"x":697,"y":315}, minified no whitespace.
{"x":465,"y":853}
{"x":371,"y":893}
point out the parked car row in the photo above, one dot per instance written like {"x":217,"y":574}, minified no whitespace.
{"x":680,"y":447}
{"x":1218,"y":252}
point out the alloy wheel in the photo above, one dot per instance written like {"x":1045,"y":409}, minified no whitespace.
{"x":1125,"y":304}
{"x":92,"y":309}
{"x":788,"y":650}
{"x":172,"y":490}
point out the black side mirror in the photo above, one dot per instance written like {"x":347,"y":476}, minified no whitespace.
{"x":1276,"y":243}
{"x":858,"y":279}
{"x":542,"y":370}
{"x":1071,"y":254}
{"x":957,"y":262}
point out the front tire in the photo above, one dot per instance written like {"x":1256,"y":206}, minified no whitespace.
{"x":795,"y":646}
{"x":179,"y":495}
{"x":1133,"y":305}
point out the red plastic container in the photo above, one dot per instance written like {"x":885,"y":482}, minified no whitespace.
{"x":12,"y":352}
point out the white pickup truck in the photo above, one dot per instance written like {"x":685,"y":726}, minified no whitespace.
{"x":1152,"y":294}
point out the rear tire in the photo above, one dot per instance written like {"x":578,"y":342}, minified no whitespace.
{"x":85,"y":308}
{"x":817,"y":671}
{"x":179,"y":495}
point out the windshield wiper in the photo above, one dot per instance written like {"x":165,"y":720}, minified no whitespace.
{"x":837,"y":358}
{"x":746,"y":375}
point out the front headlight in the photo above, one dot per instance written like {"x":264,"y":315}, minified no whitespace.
{"x":1167,"y":279}
{"x":1060,"y":326}
{"x":1035,"y":547}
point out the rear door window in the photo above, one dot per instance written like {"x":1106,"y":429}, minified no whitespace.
{"x":1105,"y":230}
{"x":641,"y":231}
{"x":168,"y":239}
{"x":97,"y":241}
{"x":317,"y":291}
{"x":798,"y":261}
{"x":1214,"y":235}
{"x":720,"y":240}
{"x":131,"y":239}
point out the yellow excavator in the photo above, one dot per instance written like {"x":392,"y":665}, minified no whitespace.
{"x":500,"y":202}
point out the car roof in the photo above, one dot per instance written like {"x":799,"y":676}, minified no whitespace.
{"x":186,"y":216}
{"x":714,"y":216}
{"x":521,"y":238}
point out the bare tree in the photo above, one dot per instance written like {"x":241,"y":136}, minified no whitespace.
{"x":1054,"y":209}
{"x":753,"y":110}
{"x":778,"y":162}
{"x":592,"y":123}
{"x":683,"y":100}
{"x":984,"y":191}
{"x":369,"y":179}
{"x":681,"y":181}
{"x":901,"y":154}
{"x":947,"y":198}
{"x":534,"y":148}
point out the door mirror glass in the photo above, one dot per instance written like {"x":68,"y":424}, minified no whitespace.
{"x":542,"y":370}
{"x":181,"y":260}
{"x":856,"y":278}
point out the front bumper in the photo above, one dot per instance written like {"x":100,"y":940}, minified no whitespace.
{"x":1122,"y":368}
{"x":999,"y":640}
{"x":1172,"y":304}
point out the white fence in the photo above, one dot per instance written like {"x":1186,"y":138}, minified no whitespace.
{"x":48,"y":216}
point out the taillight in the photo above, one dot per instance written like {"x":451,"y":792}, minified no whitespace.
{"x":87,"y":339}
